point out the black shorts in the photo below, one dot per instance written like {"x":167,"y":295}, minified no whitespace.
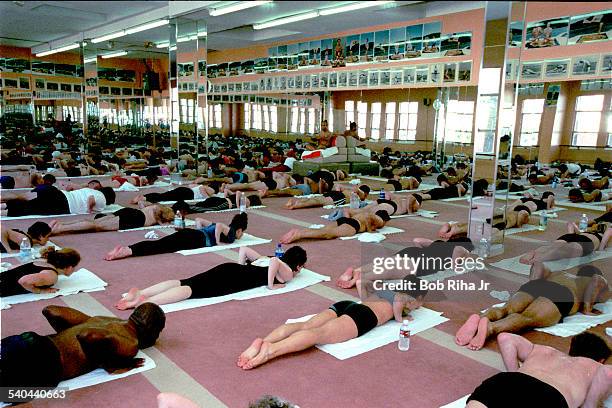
{"x":350,"y":221}
{"x":587,"y":245}
{"x":442,"y":193}
{"x":29,"y":360}
{"x":391,"y":203}
{"x":397,"y":186}
{"x":521,"y":207}
{"x":363,"y":316}
{"x":561,"y":296}
{"x":516,"y":389}
{"x":128,"y":218}
{"x":540,"y":204}
{"x":271,"y":184}
{"x":337,"y":196}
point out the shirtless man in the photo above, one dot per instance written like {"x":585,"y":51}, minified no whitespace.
{"x":334,"y":197}
{"x":324,"y":139}
{"x":346,"y":227}
{"x":542,"y":302}
{"x":394,"y":205}
{"x":541,"y":376}
{"x":123,"y":219}
{"x":81,"y":344}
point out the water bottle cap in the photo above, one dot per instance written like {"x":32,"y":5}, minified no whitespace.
{"x":405,"y":322}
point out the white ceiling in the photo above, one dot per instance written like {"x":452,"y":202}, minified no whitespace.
{"x":37,"y":22}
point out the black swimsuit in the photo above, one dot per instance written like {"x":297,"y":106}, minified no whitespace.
{"x":362,"y":315}
{"x":561,"y":296}
{"x":587,"y":244}
{"x":9,"y":280}
{"x":540,"y":204}
{"x":391,"y":203}
{"x":129,"y":218}
{"x":350,"y":221}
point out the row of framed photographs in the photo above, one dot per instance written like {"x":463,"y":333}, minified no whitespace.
{"x":249,"y":98}
{"x":40,"y":84}
{"x":454,"y":72}
{"x":561,"y":68}
{"x":25,"y":66}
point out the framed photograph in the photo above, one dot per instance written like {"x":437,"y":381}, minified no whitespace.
{"x":547,"y":33}
{"x":24,"y":83}
{"x":282,"y":83}
{"x":414,"y":41}
{"x":431,"y":39}
{"x":381,"y":46}
{"x":586,"y":65}
{"x":291,"y":82}
{"x":314,"y":55}
{"x":366,"y":47}
{"x":342,"y":79}
{"x":338,"y":60}
{"x":450,"y":72}
{"x":230,"y":87}
{"x":352,"y":49}
{"x":326,"y":53}
{"x":363,"y":78}
{"x":353,"y":78}
{"x":373,"y":78}
{"x":115,"y":91}
{"x":52,"y":86}
{"x":298,"y":82}
{"x":409,"y":75}
{"x":43,"y":68}
{"x":281,"y":58}
{"x":385,"y":77}
{"x":314,"y":81}
{"x":464,"y":71}
{"x":269,"y":84}
{"x":104,"y":90}
{"x":397,"y":43}
{"x":606,"y":64}
{"x":323,"y":80}
{"x":127,"y":91}
{"x":11,"y":83}
{"x":292,"y":57}
{"x":456,"y":44}
{"x":557,"y":69}
{"x":422,"y":74}
{"x":303,"y":54}
{"x":396,"y":77}
{"x":306,"y":81}
{"x":436,"y":72}
{"x":276,"y":83}
{"x":333,"y":80}
{"x":531,"y":70}
{"x":590,"y":27}
{"x":40,"y":84}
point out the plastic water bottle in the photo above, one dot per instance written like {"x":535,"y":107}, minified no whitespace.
{"x":584,"y":223}
{"x":404,"y":337}
{"x":210,"y":173}
{"x":555,"y":181}
{"x":25,"y":250}
{"x":485,"y":247}
{"x":279,"y":251}
{"x":179,"y":222}
{"x":243,"y":205}
{"x":354,"y":204}
{"x":382,"y":194}
{"x":543,"y":221}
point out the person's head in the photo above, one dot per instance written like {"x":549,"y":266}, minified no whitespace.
{"x":182,"y":207}
{"x":562,"y":168}
{"x":451,"y":171}
{"x":239,"y":224}
{"x":547,"y":194}
{"x":94,"y":185}
{"x":575,"y":195}
{"x":149,"y":320}
{"x":36,"y":179}
{"x":533,"y":178}
{"x":480,"y":186}
{"x":591,"y":346}
{"x":165,"y":214}
{"x":7,"y":182}
{"x":65,"y":259}
{"x":295,"y":257}
{"x":384,"y":216}
{"x":324,"y":125}
{"x":109,"y":195}
{"x":253,"y":200}
{"x":585,"y":184}
{"x":441,"y":179}
{"x":386,"y":173}
{"x":365,"y":191}
{"x":151,"y":178}
{"x":353,"y":126}
{"x":239,"y":164}
{"x":39,"y":232}
{"x":49,"y":179}
{"x":269,"y":401}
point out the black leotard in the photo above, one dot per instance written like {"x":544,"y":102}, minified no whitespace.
{"x":540,"y":204}
{"x":225,"y":279}
{"x":441,"y":193}
{"x":128,"y":218}
{"x":179,"y":193}
{"x":362,"y":315}
{"x":9,"y":280}
{"x":437,"y":250}
{"x":561,"y":296}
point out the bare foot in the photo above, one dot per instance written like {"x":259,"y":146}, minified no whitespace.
{"x":481,"y":336}
{"x":250,"y":352}
{"x":119,"y":252}
{"x":124,"y":304}
{"x":261,"y":357}
{"x":291,"y":203}
{"x":538,"y":270}
{"x":467,"y":332}
{"x":346,"y":280}
{"x":56,"y":226}
{"x":528,"y":258}
{"x":137,"y":199}
{"x":290,"y":237}
{"x":128,"y":299}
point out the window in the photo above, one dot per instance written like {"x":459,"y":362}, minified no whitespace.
{"x":266,"y":118}
{"x":609,"y":125}
{"x":375,"y":123}
{"x":362,"y":118}
{"x":273,"y":119}
{"x":218,"y":120}
{"x":407,"y":120}
{"x":349,"y":113}
{"x":588,"y":119}
{"x":459,"y":121}
{"x":531,"y":116}
{"x":330,"y":118}
{"x":312,"y":120}
{"x":302,"y":120}
{"x":257,"y":116}
{"x":247,"y":116}
{"x":390,"y":120}
{"x":294,"y":119}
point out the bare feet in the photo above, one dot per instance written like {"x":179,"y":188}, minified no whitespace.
{"x":291,"y":203}
{"x":119,"y":252}
{"x":528,"y":258}
{"x":538,"y":270}
{"x":131,"y":300}
{"x":56,"y":226}
{"x":346,"y":280}
{"x":250,"y":352}
{"x":261,"y":357}
{"x":290,"y":237}
{"x":481,"y":336}
{"x":137,"y":199}
{"x":467,"y":332}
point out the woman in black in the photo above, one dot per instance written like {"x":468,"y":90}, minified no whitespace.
{"x":37,"y":234}
{"x":443,"y":193}
{"x":212,"y":204}
{"x":223,"y":279}
{"x":39,"y":276}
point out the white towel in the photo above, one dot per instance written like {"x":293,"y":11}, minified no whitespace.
{"x":576,"y":324}
{"x":188,"y":223}
{"x":419,"y":213}
{"x":385,"y":231}
{"x":422,"y":187}
{"x":583,"y":206}
{"x":303,"y":279}
{"x":108,"y":209}
{"x":551,"y":211}
{"x":460,"y":403}
{"x":126,"y":187}
{"x":82,"y":280}
{"x":524,"y":228}
{"x":513,"y":264}
{"x":423,"y":319}
{"x":246,"y":240}
{"x":464,"y":198}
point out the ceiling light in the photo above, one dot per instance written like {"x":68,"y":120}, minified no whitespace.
{"x":114,"y":54}
{"x":147,"y":26}
{"x":163,"y":45}
{"x":108,"y":37}
{"x":61,"y":49}
{"x":350,"y":7}
{"x":88,"y":60}
{"x":286,"y":20}
{"x":236,"y":7}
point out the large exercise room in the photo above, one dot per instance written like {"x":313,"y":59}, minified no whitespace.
{"x":305,"y":204}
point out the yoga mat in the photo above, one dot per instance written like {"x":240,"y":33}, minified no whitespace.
{"x":199,"y":201}
{"x":422,"y":187}
{"x":419,"y":213}
{"x":513,"y":264}
{"x":524,"y":228}
{"x":384,"y":231}
{"x":584,"y":206}
{"x":576,"y":324}
{"x":108,"y":209}
{"x":552,"y":210}
{"x":423,"y":319}
{"x":463,"y":198}
{"x":82,"y":280}
{"x":188,"y":223}
{"x":302,"y":280}
{"x":246,"y":240}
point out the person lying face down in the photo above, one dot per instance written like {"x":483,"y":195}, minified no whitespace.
{"x":542,"y":302}
{"x":542,"y":376}
{"x":212,"y":204}
{"x":38,"y":234}
{"x":343,"y":321}
{"x":81,"y":344}
{"x":576,"y":195}
{"x":589,"y":185}
{"x":339,"y":196}
{"x":206,"y":234}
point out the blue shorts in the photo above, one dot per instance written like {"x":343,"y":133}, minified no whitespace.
{"x":304,"y":187}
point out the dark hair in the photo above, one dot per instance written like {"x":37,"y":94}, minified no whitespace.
{"x":181,"y":206}
{"x":353,"y":125}
{"x":366,"y":189}
{"x":576,"y":192}
{"x":532,"y":176}
{"x":109,"y":195}
{"x":7,"y":182}
{"x":386,"y":173}
{"x":240,"y":222}
{"x":416,"y":283}
{"x":298,"y":178}
{"x":62,"y":258}
{"x":562,"y":168}
{"x":441,"y":178}
{"x":151,"y":178}
{"x":589,"y":345}
{"x":294,"y":257}
{"x":39,"y":229}
{"x":383,"y":214}
{"x":149,"y":320}
{"x":585,"y":183}
{"x":461,"y":166}
{"x":480,"y":186}
{"x":451,"y":171}
{"x":397,"y":186}
{"x":238,"y":164}
{"x":547,"y":194}
{"x":254,"y":200}
{"x":49,"y":179}
{"x":269,"y":401}
{"x":588,"y":271}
